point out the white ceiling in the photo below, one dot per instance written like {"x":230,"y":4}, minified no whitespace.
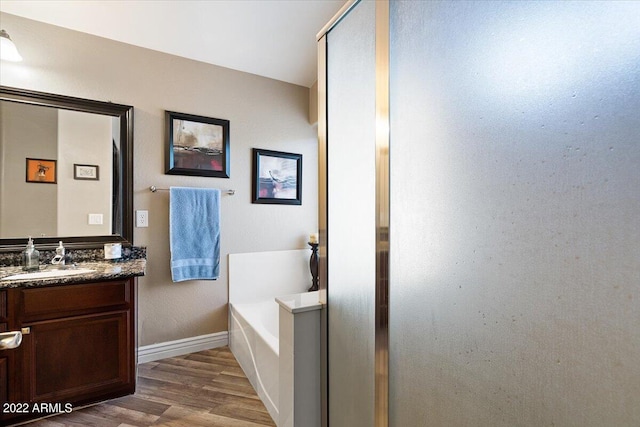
{"x":271,"y":38}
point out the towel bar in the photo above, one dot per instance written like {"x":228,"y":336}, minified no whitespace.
{"x":153,"y":189}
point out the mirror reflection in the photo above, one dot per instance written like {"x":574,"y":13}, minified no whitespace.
{"x":57,"y":169}
{"x":66,"y":170}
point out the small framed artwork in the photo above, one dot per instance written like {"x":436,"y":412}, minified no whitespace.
{"x":42,"y":171}
{"x":197,"y":145}
{"x":88,"y":172}
{"x":277,"y":177}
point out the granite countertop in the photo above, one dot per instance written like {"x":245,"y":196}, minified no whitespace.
{"x":104,"y":270}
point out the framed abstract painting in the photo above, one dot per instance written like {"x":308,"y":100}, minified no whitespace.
{"x":277,"y":177}
{"x":197,"y":145}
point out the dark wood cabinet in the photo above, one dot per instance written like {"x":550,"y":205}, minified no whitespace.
{"x":4,"y":380}
{"x":6,"y":357}
{"x":78,"y":347}
{"x":3,"y":311}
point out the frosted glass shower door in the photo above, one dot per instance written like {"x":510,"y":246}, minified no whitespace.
{"x":515,"y":213}
{"x":351,"y":217}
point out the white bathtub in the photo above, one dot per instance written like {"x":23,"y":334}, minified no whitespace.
{"x":255,"y":279}
{"x":254,"y":343}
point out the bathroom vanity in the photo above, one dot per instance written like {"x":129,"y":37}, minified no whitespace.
{"x":78,"y":339}
{"x":78,"y":328}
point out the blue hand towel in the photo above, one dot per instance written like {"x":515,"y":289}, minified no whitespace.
{"x":194,"y":233}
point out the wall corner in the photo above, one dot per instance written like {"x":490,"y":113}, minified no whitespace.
{"x":313,"y":104}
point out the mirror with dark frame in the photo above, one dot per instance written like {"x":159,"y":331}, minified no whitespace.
{"x":84,"y":150}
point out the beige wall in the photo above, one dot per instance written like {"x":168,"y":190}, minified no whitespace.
{"x":264,"y":113}
{"x":26,"y":208}
{"x":84,"y":139}
{"x":313,"y":104}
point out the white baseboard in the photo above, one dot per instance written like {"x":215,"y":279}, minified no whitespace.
{"x":152,"y":352}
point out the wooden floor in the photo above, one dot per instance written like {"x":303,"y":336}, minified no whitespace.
{"x":207,"y":388}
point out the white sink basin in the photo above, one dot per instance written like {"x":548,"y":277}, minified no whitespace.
{"x":48,"y":274}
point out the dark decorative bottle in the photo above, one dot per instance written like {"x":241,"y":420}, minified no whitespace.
{"x":313,"y":262}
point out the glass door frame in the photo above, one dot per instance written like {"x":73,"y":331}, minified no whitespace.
{"x":382,"y":228}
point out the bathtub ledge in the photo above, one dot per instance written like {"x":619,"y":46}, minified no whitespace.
{"x":299,"y":303}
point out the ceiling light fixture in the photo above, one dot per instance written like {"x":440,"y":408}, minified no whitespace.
{"x":8,"y":50}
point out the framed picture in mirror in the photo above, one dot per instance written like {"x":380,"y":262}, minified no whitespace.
{"x":42,"y":171}
{"x":87,"y":172}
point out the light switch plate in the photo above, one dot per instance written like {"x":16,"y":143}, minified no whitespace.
{"x":95,"y":219}
{"x":142,"y":218}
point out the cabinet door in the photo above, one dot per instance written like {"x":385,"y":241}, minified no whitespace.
{"x":79,"y":356}
{"x":4,"y":380}
{"x":11,"y":374}
{"x":4,"y":360}
{"x":3,"y":311}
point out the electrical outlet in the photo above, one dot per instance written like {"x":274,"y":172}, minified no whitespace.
{"x":142,"y":218}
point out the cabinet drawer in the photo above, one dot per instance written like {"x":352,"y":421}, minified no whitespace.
{"x":62,"y":301}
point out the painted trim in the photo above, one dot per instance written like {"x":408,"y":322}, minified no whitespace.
{"x":153,"y":352}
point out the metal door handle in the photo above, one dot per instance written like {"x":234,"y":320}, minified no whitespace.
{"x":9,"y":340}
